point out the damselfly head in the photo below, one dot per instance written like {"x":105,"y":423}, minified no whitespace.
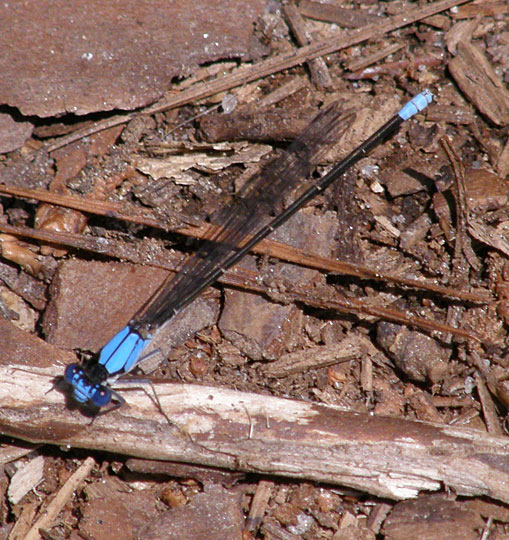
{"x":85,"y":386}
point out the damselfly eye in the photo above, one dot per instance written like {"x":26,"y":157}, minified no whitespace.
{"x":101,"y":397}
{"x":71,"y":371}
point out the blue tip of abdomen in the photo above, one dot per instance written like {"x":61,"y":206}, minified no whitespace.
{"x":417,"y":104}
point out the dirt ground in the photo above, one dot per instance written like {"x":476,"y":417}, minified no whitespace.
{"x":348,"y":379}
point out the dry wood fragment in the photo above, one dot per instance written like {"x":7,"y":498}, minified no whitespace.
{"x":394,"y":68}
{"x":317,"y":67}
{"x":272,"y":529}
{"x":248,"y":124}
{"x":460,"y":32}
{"x":281,"y":92}
{"x":28,"y":476}
{"x":496,"y":237}
{"x":451,"y":114}
{"x":377,"y":516}
{"x":486,"y":191}
{"x":314,"y":358}
{"x":212,"y":515}
{"x":258,"y":505}
{"x":483,"y":9}
{"x":477,"y":79}
{"x":24,"y":521}
{"x":217,"y":427}
{"x":13,"y":452}
{"x":362,"y":62}
{"x":462,"y":247}
{"x":176,"y":166}
{"x":61,"y":498}
{"x":349,"y":18}
{"x":432,"y":517}
{"x":488,"y":407}
{"x":422,"y":404}
{"x":503,"y":161}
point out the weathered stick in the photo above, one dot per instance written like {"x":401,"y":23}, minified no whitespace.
{"x":388,"y":457}
{"x":274,"y":64}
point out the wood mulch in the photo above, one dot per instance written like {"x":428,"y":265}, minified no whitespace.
{"x":348,"y":378}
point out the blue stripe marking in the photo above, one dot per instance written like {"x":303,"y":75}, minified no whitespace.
{"x":117,"y":357}
{"x":122,"y":352}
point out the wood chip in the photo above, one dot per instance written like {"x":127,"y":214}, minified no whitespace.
{"x":478,"y":80}
{"x":26,"y":478}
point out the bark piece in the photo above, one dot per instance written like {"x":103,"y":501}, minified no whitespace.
{"x":26,"y":478}
{"x":477,"y":79}
{"x":91,"y":301}
{"x":123,"y":54}
{"x":116,"y":515}
{"x":348,"y":18}
{"x":209,"y":516}
{"x":13,"y":134}
{"x":432,"y":518}
{"x":485,"y":190}
{"x":258,"y":327}
{"x":276,"y":125}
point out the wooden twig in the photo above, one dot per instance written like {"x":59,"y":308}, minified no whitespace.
{"x":13,"y":452}
{"x":263,"y":492}
{"x":363,"y":62}
{"x":324,"y":299}
{"x":265,"y":247}
{"x":84,"y":204}
{"x":317,"y":67}
{"x":462,"y":248}
{"x":62,"y":497}
{"x":387,"y":457}
{"x":270,"y":66}
{"x":488,"y":407}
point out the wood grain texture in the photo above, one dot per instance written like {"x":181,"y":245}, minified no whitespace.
{"x":218,"y":427}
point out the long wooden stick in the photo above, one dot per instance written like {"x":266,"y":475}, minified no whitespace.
{"x":388,"y":457}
